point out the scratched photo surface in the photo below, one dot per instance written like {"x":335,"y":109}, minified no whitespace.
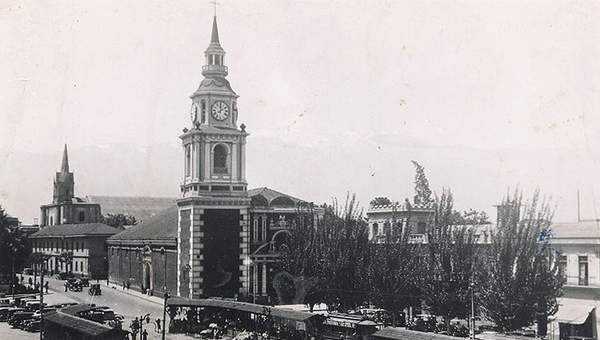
{"x":194,"y":167}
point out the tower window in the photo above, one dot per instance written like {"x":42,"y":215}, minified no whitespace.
{"x":220,"y":159}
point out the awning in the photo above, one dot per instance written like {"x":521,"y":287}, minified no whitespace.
{"x":573,"y":314}
{"x":243,"y":307}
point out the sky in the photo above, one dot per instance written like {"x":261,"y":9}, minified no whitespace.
{"x":338,"y":97}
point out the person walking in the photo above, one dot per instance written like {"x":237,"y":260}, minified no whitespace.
{"x":46,"y":286}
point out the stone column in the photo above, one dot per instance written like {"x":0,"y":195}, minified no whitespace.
{"x":196,"y":256}
{"x":244,"y":252}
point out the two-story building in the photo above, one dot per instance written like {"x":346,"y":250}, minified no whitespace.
{"x":86,"y":244}
{"x":578,"y":247}
{"x":396,"y":218}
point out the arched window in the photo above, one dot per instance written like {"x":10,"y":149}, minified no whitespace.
{"x":220,"y":159}
{"x":51,"y":221}
{"x":375,"y":229}
{"x":81,"y":216}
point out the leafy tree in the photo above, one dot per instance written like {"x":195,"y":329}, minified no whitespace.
{"x":522,"y":281}
{"x":395,"y":273}
{"x":470,"y":217}
{"x":380,"y":201}
{"x":14,"y":246}
{"x":328,"y":261}
{"x":118,"y":220}
{"x":450,"y":263}
{"x":422,"y":190}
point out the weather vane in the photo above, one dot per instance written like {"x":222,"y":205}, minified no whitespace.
{"x":215,"y":6}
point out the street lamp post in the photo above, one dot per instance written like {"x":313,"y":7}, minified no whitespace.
{"x":42,"y":298}
{"x":163,"y":252}
{"x":472,"y":335}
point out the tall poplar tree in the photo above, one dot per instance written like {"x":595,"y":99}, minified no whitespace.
{"x":520,"y":279}
{"x":422,"y":190}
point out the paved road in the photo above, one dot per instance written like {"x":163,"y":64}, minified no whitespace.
{"x":127,"y":305}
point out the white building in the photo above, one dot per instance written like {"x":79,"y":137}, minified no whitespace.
{"x":578,"y":245}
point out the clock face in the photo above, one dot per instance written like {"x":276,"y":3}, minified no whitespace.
{"x":194,"y":112}
{"x":220,"y":110}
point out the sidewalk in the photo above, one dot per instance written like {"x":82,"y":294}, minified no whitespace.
{"x":154,"y":299}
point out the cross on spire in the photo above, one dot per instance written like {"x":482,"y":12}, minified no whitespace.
{"x":215,"y":3}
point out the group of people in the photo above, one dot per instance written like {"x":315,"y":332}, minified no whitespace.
{"x":37,"y":285}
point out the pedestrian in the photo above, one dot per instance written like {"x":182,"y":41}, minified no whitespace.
{"x":123,"y":283}
{"x":144,"y":335}
{"x":46,"y":286}
{"x":30,"y":282}
{"x":66,"y":288}
{"x":127,"y":284}
{"x":158,"y":324}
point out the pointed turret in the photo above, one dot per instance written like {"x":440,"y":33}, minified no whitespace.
{"x":64,"y":168}
{"x":214,"y":38}
{"x":215,"y":55}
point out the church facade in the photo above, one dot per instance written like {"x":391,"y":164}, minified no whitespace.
{"x":66,"y":208}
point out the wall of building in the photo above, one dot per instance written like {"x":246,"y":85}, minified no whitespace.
{"x":126,"y":263}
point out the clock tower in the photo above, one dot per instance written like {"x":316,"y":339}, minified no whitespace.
{"x":213,"y":208}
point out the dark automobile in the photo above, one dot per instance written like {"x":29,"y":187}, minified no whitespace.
{"x":18,"y":317}
{"x":34,"y":326}
{"x":95,"y":289}
{"x":74,"y":285}
{"x":10,"y":312}
{"x":85,"y":282}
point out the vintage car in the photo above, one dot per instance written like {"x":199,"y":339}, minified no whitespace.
{"x":85,"y":282}
{"x":95,"y":289}
{"x":74,"y":285}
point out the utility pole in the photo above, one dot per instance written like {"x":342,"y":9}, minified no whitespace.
{"x":472,"y":335}
{"x":42,"y":300}
{"x":165,"y":314}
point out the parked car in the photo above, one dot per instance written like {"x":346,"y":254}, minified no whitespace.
{"x":10,"y":312}
{"x":95,"y":289}
{"x":34,"y":326}
{"x":74,"y":285}
{"x":84,"y":281}
{"x":18,"y":317}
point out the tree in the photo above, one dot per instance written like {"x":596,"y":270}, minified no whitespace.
{"x":451,"y":255}
{"x":470,"y":217}
{"x":328,"y":261}
{"x":395,"y":273}
{"x":422,"y":190}
{"x":119,"y":220}
{"x":522,"y":280}
{"x":14,"y":246}
{"x":380,"y":201}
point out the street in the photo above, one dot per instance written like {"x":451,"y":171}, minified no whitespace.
{"x":130,"y":306}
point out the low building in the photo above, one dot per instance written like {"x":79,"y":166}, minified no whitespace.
{"x":85,"y":242}
{"x":578,"y":247}
{"x":396,"y":218}
{"x":145,"y":255}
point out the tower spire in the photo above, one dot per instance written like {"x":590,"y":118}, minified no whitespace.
{"x":64,"y":168}
{"x":214,"y":37}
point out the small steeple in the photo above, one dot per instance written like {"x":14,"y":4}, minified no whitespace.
{"x":215,"y":55}
{"x":64,"y":168}
{"x":214,"y":37}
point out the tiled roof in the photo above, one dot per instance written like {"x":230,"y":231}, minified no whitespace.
{"x":83,"y":229}
{"x":163,"y":226}
{"x":270,"y":195}
{"x":403,"y":334}
{"x":142,"y":208}
{"x":583,"y":229}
